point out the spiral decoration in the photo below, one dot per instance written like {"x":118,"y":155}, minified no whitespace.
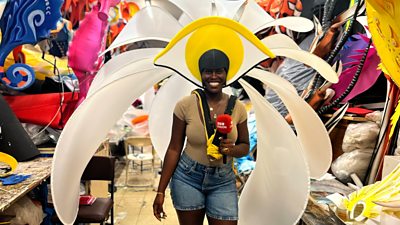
{"x":19,"y":76}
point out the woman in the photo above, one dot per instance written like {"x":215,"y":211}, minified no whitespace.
{"x":201,"y":186}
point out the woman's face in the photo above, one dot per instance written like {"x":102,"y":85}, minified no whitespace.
{"x":213,"y":79}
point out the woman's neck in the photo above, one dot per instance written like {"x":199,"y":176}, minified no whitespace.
{"x":214,"y":97}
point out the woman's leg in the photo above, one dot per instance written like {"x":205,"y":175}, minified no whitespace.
{"x":212,"y":221}
{"x":195,"y":217}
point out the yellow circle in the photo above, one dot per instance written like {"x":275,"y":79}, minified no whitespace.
{"x":218,"y":37}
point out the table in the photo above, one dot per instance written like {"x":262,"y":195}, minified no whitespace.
{"x":39,"y":168}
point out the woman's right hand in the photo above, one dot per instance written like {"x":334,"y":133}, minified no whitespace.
{"x":158,"y":210}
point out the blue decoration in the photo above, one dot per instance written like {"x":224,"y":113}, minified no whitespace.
{"x":14,"y":179}
{"x":19,"y":76}
{"x":26,"y":22}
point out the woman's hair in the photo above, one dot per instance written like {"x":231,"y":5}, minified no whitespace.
{"x":213,"y":59}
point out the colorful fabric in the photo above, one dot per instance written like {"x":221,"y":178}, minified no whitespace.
{"x":281,"y":8}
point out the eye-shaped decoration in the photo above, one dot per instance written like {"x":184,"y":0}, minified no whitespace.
{"x":226,"y":35}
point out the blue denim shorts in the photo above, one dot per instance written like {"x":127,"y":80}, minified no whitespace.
{"x":195,"y":186}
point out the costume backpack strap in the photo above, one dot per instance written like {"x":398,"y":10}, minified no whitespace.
{"x":231,"y":105}
{"x":209,"y":128}
{"x":205,"y":110}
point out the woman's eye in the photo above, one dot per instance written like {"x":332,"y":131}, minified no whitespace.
{"x":220,"y":71}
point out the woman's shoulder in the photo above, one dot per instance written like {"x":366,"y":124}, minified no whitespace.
{"x":187,"y":100}
{"x":240,"y":105}
{"x":240,"y":111}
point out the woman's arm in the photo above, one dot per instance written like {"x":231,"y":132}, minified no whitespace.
{"x":241,"y":147}
{"x":170,"y":161}
{"x":173,"y":153}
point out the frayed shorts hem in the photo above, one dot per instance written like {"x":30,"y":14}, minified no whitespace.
{"x":189,"y":208}
{"x":230,"y":218}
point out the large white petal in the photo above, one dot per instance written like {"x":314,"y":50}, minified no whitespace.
{"x":87,"y":128}
{"x":194,"y":10}
{"x":276,"y":45}
{"x":228,"y":8}
{"x":310,"y":130}
{"x":116,"y":66}
{"x":280,"y":41}
{"x":161,"y":114}
{"x":149,"y":23}
{"x":277,"y":190}
{"x":294,"y":23}
{"x":254,"y":17}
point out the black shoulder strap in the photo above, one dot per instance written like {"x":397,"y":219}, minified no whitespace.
{"x":210,"y":126}
{"x":206,"y":112}
{"x":231,"y":105}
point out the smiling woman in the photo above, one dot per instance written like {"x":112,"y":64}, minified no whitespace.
{"x":203,"y":182}
{"x":213,"y":66}
{"x":283,"y":168}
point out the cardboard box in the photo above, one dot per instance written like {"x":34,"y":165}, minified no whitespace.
{"x":389,"y":164}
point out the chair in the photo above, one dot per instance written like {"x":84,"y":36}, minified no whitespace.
{"x":99,"y":168}
{"x":139,"y":156}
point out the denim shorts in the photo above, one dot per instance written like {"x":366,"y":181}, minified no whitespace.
{"x":195,"y":186}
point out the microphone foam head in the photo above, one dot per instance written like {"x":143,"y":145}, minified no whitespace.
{"x":224,"y":123}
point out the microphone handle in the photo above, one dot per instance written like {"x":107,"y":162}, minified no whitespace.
{"x":224,"y":136}
{"x":217,"y":142}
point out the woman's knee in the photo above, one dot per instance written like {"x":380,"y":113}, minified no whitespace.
{"x":193,"y":217}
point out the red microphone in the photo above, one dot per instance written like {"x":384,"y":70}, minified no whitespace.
{"x":224,"y":126}
{"x":224,"y":123}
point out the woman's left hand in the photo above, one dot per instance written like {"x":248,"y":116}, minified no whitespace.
{"x":226,"y":146}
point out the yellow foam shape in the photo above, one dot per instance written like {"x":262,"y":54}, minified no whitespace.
{"x":11,"y":161}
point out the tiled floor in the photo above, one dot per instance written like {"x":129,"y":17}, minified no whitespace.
{"x":133,"y":205}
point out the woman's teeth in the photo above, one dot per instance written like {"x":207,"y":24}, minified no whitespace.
{"x":214,"y":84}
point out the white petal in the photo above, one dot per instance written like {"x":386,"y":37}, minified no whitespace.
{"x":150,"y":23}
{"x":294,"y":23}
{"x":310,"y":130}
{"x":87,"y":128}
{"x":277,"y":190}
{"x":161,"y":114}
{"x":228,"y":8}
{"x":109,"y":71}
{"x":194,"y":11}
{"x":254,"y":17}
{"x":305,"y":57}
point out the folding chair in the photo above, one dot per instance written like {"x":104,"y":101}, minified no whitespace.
{"x":138,"y":156}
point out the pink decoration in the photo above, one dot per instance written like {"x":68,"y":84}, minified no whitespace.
{"x":369,"y":74}
{"x":87,"y":43}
